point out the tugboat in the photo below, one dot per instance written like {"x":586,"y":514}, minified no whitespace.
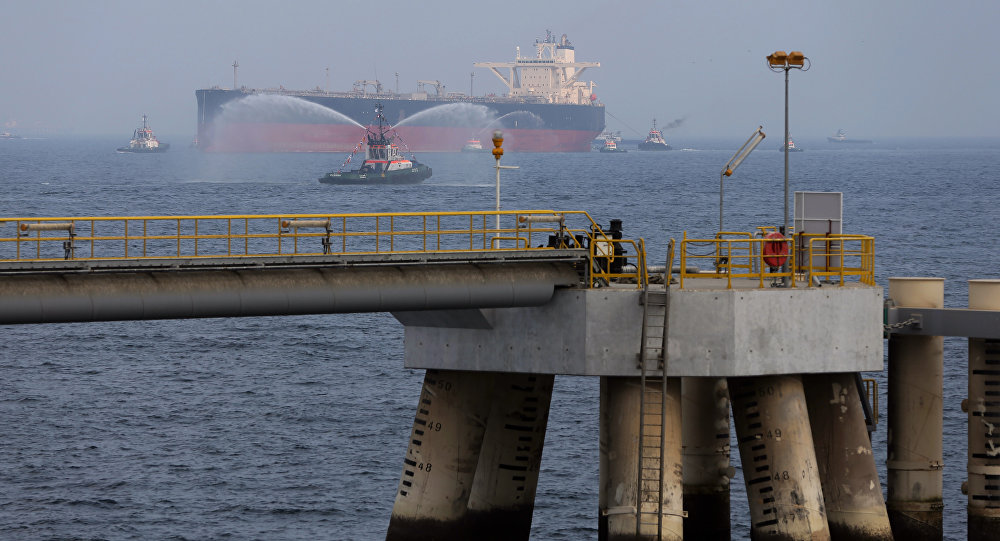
{"x":143,"y":141}
{"x":473,"y":145}
{"x":841,"y":137}
{"x":611,"y":143}
{"x":654,"y":141}
{"x":791,"y":146}
{"x":383,"y":163}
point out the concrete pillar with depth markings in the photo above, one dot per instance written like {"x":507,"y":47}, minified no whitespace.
{"x":503,"y":491}
{"x":442,"y":458}
{"x":983,"y":407}
{"x":779,"y":460}
{"x":914,"y":440}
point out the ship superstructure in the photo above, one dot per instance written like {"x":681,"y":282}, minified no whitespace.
{"x":551,"y":76}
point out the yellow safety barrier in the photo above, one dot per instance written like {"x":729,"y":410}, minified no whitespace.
{"x":835,"y":258}
{"x":812,"y":259}
{"x":187,"y":237}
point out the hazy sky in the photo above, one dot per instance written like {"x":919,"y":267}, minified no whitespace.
{"x":879,"y":68}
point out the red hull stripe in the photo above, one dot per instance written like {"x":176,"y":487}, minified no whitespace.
{"x":283,"y":137}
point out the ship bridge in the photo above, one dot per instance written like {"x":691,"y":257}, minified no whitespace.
{"x":553,"y":74}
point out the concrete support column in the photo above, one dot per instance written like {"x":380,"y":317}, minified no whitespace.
{"x":441,"y":458}
{"x":779,"y":461}
{"x":855,"y":509}
{"x":983,"y":407}
{"x":707,"y":470}
{"x":623,"y":502}
{"x":914,"y":447}
{"x":503,"y":492}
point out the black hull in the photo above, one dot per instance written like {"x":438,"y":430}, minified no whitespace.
{"x":415,"y":175}
{"x":162,"y":148}
{"x":653,"y":146}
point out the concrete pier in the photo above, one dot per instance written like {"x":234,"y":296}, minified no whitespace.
{"x":983,"y":407}
{"x":707,"y":468}
{"x":779,"y":461}
{"x":626,"y":506}
{"x":852,"y":492}
{"x":915,"y":417}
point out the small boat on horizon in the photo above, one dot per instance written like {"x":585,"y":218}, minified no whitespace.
{"x":611,"y":143}
{"x":143,"y":141}
{"x":383,"y":162}
{"x":473,"y":145}
{"x":841,"y":137}
{"x":8,"y":135}
{"x":655,"y":140}
{"x":791,"y":146}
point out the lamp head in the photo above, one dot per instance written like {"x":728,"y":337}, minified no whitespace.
{"x":497,"y":142}
{"x":796,"y":58}
{"x":777,"y":59}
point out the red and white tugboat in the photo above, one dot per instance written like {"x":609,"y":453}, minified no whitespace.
{"x":654,"y":141}
{"x":383,"y":162}
{"x":144,"y":141}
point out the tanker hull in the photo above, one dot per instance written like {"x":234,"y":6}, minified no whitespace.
{"x":253,"y":121}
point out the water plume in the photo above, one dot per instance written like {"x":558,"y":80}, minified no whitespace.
{"x":277,"y":108}
{"x":452,"y":114}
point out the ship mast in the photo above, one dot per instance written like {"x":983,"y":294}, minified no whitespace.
{"x":236,"y":65}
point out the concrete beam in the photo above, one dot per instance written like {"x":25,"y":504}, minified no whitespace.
{"x":713,"y":333}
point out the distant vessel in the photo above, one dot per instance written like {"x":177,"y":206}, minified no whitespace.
{"x":841,"y":137}
{"x":383,"y":164}
{"x":143,"y":141}
{"x":473,"y":145}
{"x":654,"y":141}
{"x":546,"y":107}
{"x":8,"y":135}
{"x":791,"y":146}
{"x":611,"y":143}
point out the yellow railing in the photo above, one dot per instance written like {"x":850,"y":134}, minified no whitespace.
{"x":812,"y":259}
{"x":836,"y":258}
{"x":187,"y":237}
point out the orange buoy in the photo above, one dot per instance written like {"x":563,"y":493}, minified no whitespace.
{"x":775,"y":249}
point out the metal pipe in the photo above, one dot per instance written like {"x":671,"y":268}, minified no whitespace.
{"x":48,"y":226}
{"x":67,"y":297}
{"x":915,"y":417}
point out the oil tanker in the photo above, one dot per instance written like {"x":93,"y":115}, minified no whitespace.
{"x":546,"y":108}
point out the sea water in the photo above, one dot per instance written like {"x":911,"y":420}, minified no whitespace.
{"x":296,"y":427}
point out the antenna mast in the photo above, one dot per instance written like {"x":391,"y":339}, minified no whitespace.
{"x":236,"y":64}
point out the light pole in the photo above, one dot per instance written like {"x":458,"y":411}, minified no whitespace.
{"x":498,"y":153}
{"x":736,"y":160}
{"x":779,"y":61}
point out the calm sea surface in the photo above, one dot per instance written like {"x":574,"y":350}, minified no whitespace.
{"x":296,"y":427}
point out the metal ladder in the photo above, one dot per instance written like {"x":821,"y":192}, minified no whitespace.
{"x":652,"y":407}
